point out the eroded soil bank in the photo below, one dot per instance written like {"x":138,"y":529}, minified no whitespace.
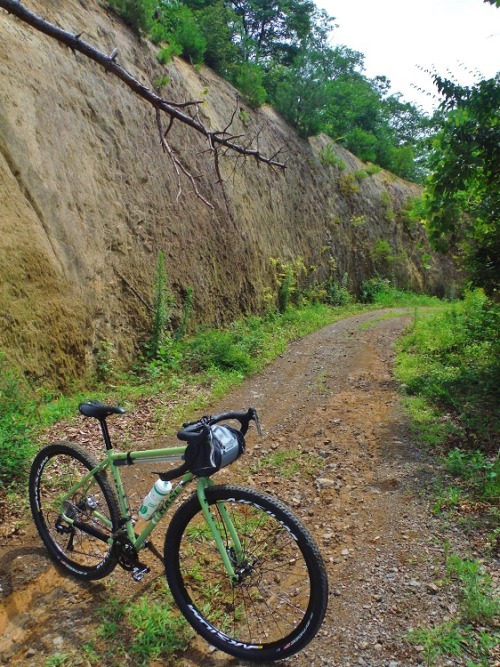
{"x":332,"y":400}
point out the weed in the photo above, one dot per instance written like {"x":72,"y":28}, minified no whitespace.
{"x":452,"y":359}
{"x":439,"y":640}
{"x":163,"y":301}
{"x":219,"y":350}
{"x":18,"y":417}
{"x":382,"y":292}
{"x":382,"y":251}
{"x":348,"y":185}
{"x":105,"y":361}
{"x":161,"y":82}
{"x":357,"y":220}
{"x":328,"y":157}
{"x":287,"y":276}
{"x":288,"y":463}
{"x":479,"y":605}
{"x":482,"y":473}
{"x":157,"y":630}
{"x":337,"y":294}
{"x":244,"y":117}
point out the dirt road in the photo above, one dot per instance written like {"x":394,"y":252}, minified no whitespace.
{"x":333,"y":402}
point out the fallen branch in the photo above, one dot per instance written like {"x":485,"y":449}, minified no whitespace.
{"x":109,"y":63}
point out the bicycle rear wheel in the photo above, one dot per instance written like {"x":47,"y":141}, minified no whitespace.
{"x":279,"y":601}
{"x":80,"y":546}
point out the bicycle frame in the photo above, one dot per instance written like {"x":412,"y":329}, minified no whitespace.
{"x":115,"y":460}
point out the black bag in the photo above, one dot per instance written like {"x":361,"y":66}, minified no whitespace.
{"x":221,"y":446}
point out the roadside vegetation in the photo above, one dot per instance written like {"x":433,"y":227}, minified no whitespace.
{"x":449,"y":365}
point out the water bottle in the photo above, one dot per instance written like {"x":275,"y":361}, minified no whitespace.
{"x":151,"y":502}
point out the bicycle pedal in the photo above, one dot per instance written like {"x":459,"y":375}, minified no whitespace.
{"x":138,"y":572}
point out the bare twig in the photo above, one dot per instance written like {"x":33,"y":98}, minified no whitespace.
{"x":178,"y":166}
{"x":75,"y":43}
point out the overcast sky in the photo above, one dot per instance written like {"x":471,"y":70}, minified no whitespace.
{"x":397,"y":35}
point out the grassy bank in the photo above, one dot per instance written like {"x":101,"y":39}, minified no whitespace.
{"x":449,"y":365}
{"x":450,"y":368}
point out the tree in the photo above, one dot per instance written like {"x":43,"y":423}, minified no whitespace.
{"x":137,"y":13}
{"x":463,"y":193}
{"x":176,"y":24}
{"x":273,"y":30}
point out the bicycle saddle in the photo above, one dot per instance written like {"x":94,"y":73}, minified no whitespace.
{"x":99,"y":410}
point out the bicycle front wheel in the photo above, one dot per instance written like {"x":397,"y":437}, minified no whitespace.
{"x":75,"y":522}
{"x":278,"y":602}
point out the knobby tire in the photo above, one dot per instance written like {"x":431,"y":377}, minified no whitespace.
{"x":55,"y":470}
{"x":279,"y":602}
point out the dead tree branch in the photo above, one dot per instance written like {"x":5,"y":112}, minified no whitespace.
{"x":178,"y":166}
{"x":108,"y":62}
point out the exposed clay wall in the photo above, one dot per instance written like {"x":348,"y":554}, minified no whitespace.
{"x":88,"y":199}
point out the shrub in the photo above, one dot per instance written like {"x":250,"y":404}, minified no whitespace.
{"x":17,"y":418}
{"x":248,"y":80}
{"x":371,"y":288}
{"x":217,"y":350}
{"x":177,"y":25}
{"x":337,"y":294}
{"x":136,"y":13}
{"x":382,"y":251}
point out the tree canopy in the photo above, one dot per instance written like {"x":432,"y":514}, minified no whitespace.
{"x":463,"y":192}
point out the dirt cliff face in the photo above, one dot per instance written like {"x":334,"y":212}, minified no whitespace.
{"x":88,"y":199}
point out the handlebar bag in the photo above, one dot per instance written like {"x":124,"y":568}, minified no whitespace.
{"x":222,"y":446}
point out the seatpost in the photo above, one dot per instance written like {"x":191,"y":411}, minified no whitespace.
{"x":105,"y":433}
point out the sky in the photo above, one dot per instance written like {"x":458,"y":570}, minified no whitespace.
{"x":396,"y":36}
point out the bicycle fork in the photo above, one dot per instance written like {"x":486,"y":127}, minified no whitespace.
{"x":234,"y":554}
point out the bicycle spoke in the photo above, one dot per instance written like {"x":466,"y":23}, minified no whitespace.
{"x":63,"y":509}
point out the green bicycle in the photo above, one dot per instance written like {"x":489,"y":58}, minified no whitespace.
{"x":242,"y":568}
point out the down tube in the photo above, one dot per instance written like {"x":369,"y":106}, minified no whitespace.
{"x":204,"y":483}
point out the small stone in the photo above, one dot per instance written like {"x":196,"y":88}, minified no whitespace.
{"x":325,"y":483}
{"x":432,"y":589}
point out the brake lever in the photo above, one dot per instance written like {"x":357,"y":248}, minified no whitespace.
{"x":257,"y":422}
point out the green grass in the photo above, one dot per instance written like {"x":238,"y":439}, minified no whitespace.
{"x":479,"y":602}
{"x":287,"y":463}
{"x":452,"y":360}
{"x":18,"y":418}
{"x":470,"y":634}
{"x":135,"y":633}
{"x":449,"y":366}
{"x":381,"y":292}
